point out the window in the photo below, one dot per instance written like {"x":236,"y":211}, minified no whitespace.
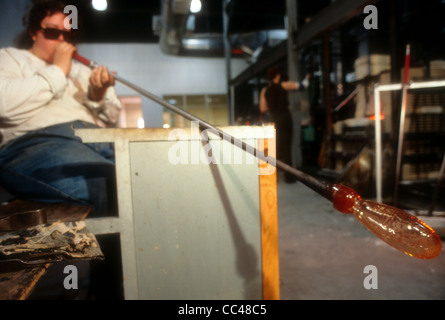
{"x":131,"y":115}
{"x":211,"y":108}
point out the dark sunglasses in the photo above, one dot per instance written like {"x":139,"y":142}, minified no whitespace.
{"x":53,"y":34}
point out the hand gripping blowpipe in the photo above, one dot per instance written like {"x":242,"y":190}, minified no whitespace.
{"x":394,"y":226}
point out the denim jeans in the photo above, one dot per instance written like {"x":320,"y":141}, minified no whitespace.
{"x":52,"y":165}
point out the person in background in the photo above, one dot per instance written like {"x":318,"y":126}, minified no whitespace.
{"x":44,"y":96}
{"x":274,"y":107}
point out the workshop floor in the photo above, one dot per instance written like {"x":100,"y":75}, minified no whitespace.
{"x":323,"y":254}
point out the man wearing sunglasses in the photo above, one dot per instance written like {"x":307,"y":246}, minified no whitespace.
{"x":44,"y":95}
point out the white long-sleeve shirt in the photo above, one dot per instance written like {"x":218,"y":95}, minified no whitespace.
{"x":35,"y":95}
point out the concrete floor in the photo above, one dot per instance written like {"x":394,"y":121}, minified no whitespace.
{"x":323,"y":254}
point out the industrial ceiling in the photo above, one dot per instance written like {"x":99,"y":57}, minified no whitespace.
{"x":137,"y":20}
{"x":170,"y":23}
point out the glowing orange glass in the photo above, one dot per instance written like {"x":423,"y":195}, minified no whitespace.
{"x":394,"y":226}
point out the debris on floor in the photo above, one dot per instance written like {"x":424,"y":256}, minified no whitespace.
{"x":50,"y":242}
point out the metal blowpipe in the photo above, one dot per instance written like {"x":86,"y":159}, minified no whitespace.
{"x":394,"y":226}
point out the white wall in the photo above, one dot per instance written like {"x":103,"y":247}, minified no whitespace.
{"x":148,"y":67}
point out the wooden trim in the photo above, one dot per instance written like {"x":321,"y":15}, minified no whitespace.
{"x":36,"y":274}
{"x":269,"y":224}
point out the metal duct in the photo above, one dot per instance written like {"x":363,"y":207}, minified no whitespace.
{"x":178,"y":37}
{"x":171,"y":23}
{"x":203,"y":42}
{"x":181,"y":6}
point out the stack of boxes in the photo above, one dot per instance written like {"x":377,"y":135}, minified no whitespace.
{"x":369,"y":70}
{"x":424,"y":122}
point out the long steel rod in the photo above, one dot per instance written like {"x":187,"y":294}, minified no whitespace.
{"x":405,"y":86}
{"x":378,"y":144}
{"x":321,"y":187}
{"x":346,"y":101}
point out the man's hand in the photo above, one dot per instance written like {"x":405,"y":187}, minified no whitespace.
{"x":63,"y":56}
{"x":100,"y":81}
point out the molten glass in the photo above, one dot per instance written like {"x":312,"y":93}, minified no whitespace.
{"x":394,"y":226}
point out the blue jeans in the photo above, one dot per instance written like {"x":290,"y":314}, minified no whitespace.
{"x":52,"y":165}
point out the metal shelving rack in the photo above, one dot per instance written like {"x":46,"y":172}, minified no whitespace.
{"x":378,"y":129}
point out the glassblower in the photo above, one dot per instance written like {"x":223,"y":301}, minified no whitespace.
{"x":395,"y":226}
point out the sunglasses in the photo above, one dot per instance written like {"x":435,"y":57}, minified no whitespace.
{"x":54,"y":34}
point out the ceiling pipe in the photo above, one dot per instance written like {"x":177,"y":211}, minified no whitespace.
{"x":176,"y":37}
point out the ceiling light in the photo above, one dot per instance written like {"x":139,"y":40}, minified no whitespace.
{"x":195,"y":6}
{"x":100,"y":5}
